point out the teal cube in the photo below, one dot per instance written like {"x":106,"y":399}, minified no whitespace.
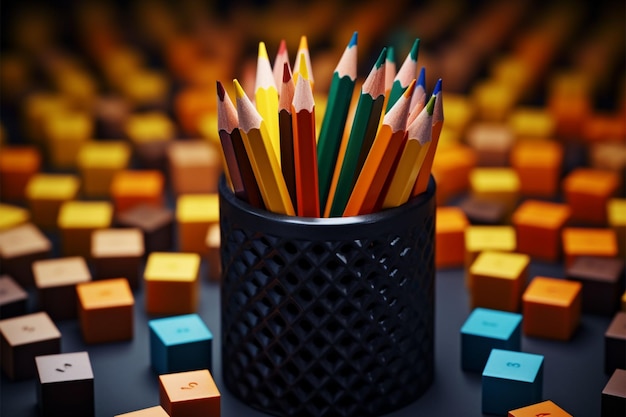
{"x":511,"y":380}
{"x":487,"y":329}
{"x":180,"y":343}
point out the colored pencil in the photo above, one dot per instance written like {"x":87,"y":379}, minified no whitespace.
{"x":362,"y":134}
{"x":305,"y":149}
{"x":418,"y":100}
{"x":303,"y":53}
{"x":421,"y":184}
{"x":333,"y":124}
{"x":282,"y":56}
{"x":384,"y":151}
{"x":406,"y":74}
{"x":266,"y":97}
{"x":286,"y":132}
{"x":390,"y":69}
{"x":262,"y":157}
{"x":418,"y":137}
{"x":238,"y":168}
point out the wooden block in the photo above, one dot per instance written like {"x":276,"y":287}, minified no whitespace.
{"x":66,"y":385}
{"x":608,"y":156}
{"x":77,"y":221}
{"x":150,"y":133}
{"x":451,"y":169}
{"x":157,"y":411}
{"x":19,"y":248}
{"x":602,"y":280}
{"x":17,"y":165}
{"x":189,"y":394}
{"x":131,"y":188}
{"x":24,"y":338}
{"x":544,"y":408}
{"x":171,"y":283}
{"x":111,"y":113}
{"x":459,"y":111}
{"x":483,"y":212}
{"x":615,"y":344}
{"x":538,"y":165}
{"x":498,"y":280}
{"x":486,"y":238}
{"x":46,"y":193}
{"x":492,"y":143}
{"x":195,"y":166}
{"x":569,"y":102}
{"x":450,"y":237}
{"x":98,"y":163}
{"x":11,"y":216}
{"x":56,"y":280}
{"x":496,"y":184}
{"x":587,"y":191}
{"x":190,"y":106}
{"x":37,"y":108}
{"x":493,"y":99}
{"x":538,"y":227}
{"x":105,"y":310}
{"x":487,"y":329}
{"x":579,"y":241}
{"x":614,"y":395}
{"x":65,"y":134}
{"x":117,"y":253}
{"x":180,"y":343}
{"x":13,"y":298}
{"x":156,"y":223}
{"x":145,"y":88}
{"x":552,"y":308}
{"x":195,"y":213}
{"x":616,"y":217}
{"x":213,"y":243}
{"x":532,"y":123}
{"x":511,"y":380}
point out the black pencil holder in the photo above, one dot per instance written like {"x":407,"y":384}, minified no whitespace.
{"x":327,"y":317}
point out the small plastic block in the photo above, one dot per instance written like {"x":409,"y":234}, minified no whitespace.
{"x":579,"y":241}
{"x":65,"y":134}
{"x":150,"y":133}
{"x":117,"y":253}
{"x":145,"y":88}
{"x":56,"y":281}
{"x":450,"y":237}
{"x":614,"y":395}
{"x":189,"y":394}
{"x":459,"y":111}
{"x":587,"y":191}
{"x":13,"y":298}
{"x":11,"y":216}
{"x":171,"y":283}
{"x":17,"y":165}
{"x":451,"y":169}
{"x":66,"y":385}
{"x":538,"y":165}
{"x":195,"y":167}
{"x":77,"y":221}
{"x":494,"y":99}
{"x":511,"y":380}
{"x":194,"y":214}
{"x":615,"y":344}
{"x":180,"y":343}
{"x":602,"y":281}
{"x":492,"y":143}
{"x":110,"y":113}
{"x":23,"y":338}
{"x":483,"y":212}
{"x":105,"y":310}
{"x":156,"y":223}
{"x":569,"y":102}
{"x":544,"y":408}
{"x":156,"y":411}
{"x":496,"y":184}
{"x":98,"y":162}
{"x":19,"y":248}
{"x":137,"y":187}
{"x":190,"y":105}
{"x":552,"y":308}
{"x":616,"y":217}
{"x":487,"y":329}
{"x":538,"y":227}
{"x":531,"y":123}
{"x":46,"y":193}
{"x":38,"y":107}
{"x":498,"y":280}
{"x":486,"y":238}
{"x":213,"y":243}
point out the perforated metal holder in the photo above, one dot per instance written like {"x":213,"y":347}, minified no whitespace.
{"x":327,"y":317}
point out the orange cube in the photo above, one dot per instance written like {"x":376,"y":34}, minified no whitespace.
{"x":157,"y":411}
{"x":191,"y":106}
{"x":195,"y":213}
{"x":195,"y":166}
{"x":451,"y":169}
{"x":77,"y":220}
{"x":538,"y":227}
{"x":133,"y":188}
{"x":588,"y":242}
{"x":450,"y":237}
{"x":498,"y":280}
{"x":17,"y":166}
{"x":105,"y":310}
{"x":551,"y":308}
{"x":544,"y":408}
{"x":189,"y":394}
{"x":171,"y":283}
{"x":538,"y":165}
{"x":98,"y":162}
{"x":46,"y":193}
{"x":587,"y":191}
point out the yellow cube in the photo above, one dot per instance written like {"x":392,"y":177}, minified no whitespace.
{"x":459,"y":111}
{"x":98,"y":162}
{"x":498,"y":280}
{"x":496,"y":184}
{"x":616,"y":216}
{"x":37,"y":108}
{"x":145,"y":87}
{"x":77,"y":220}
{"x":494,"y":99}
{"x":532,"y":123}
{"x":11,"y":216}
{"x":487,"y":238}
{"x":65,"y":133}
{"x":150,"y":134}
{"x":195,"y":213}
{"x":46,"y":193}
{"x":171,"y":283}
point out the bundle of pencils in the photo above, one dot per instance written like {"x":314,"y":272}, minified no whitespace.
{"x":275,"y":160}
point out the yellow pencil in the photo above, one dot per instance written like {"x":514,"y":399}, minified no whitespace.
{"x":264,"y":162}
{"x":266,"y":98}
{"x":303,"y":54}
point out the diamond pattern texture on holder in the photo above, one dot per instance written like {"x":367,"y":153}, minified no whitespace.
{"x":312,"y":328}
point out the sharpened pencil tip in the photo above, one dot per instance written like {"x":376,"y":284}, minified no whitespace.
{"x":304,"y":44}
{"x":303,"y":70}
{"x":391,"y":54}
{"x":430,"y":106}
{"x":421,"y":80}
{"x":409,"y":90}
{"x":437,"y":88}
{"x":381,"y":58}
{"x":353,"y":40}
{"x":282,"y":47}
{"x":220,"y":91}
{"x":415,"y":49}
{"x":238,"y":89}
{"x":286,"y":72}
{"x":263,"y":51}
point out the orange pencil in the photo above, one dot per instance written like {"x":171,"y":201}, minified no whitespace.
{"x":385,"y":149}
{"x":303,"y":54}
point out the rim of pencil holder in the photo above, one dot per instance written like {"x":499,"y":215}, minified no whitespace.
{"x":330,"y":316}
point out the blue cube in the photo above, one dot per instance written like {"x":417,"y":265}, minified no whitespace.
{"x":511,"y":380}
{"x":180,"y":343}
{"x":487,"y":329}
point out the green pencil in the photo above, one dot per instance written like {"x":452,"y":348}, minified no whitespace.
{"x":405,"y":75}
